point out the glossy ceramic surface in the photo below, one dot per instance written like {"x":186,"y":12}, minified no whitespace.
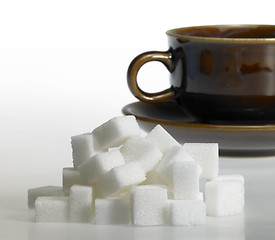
{"x":217,"y":72}
{"x":233,"y":139}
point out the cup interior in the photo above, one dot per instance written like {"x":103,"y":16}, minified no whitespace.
{"x":227,"y":31}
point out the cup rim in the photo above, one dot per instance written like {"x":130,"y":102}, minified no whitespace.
{"x":185,"y":37}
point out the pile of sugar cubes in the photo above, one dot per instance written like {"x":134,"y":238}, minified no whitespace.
{"x":121,"y":175}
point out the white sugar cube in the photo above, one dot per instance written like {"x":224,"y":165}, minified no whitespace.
{"x":121,"y":178}
{"x":99,"y":164}
{"x":200,"y":196}
{"x":82,"y":148}
{"x":187,"y":212}
{"x":137,"y":148}
{"x":112,"y":211}
{"x":153,"y":178}
{"x":70,"y":177}
{"x":162,"y":139}
{"x":224,"y":197}
{"x":115,"y":132}
{"x":43,"y":191}
{"x":52,"y":209}
{"x":237,"y":177}
{"x":165,"y":167}
{"x":186,"y":180}
{"x":149,"y":205}
{"x":81,"y":203}
{"x":207,"y":155}
{"x":124,"y":195}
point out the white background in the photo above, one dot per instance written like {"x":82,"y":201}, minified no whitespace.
{"x":63,"y":71}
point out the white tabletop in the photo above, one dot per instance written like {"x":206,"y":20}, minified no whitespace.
{"x":17,"y":221}
{"x":63,"y":71}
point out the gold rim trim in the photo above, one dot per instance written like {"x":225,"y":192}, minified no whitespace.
{"x":126,"y":110}
{"x":172,"y":33}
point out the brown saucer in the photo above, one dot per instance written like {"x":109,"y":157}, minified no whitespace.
{"x":233,"y":139}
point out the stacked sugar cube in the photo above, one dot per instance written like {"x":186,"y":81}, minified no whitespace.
{"x":122,"y":176}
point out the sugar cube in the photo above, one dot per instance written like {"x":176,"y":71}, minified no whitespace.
{"x":112,"y":211}
{"x":70,"y":177}
{"x":115,"y":132}
{"x":165,"y":167}
{"x":162,"y":139}
{"x":229,"y":177}
{"x":187,"y":212}
{"x":81,"y":203}
{"x":200,"y":196}
{"x":82,"y":148}
{"x":33,"y":193}
{"x":124,"y":195}
{"x":121,"y":175}
{"x":224,"y":197}
{"x":99,"y":164}
{"x":152,"y":178}
{"x":137,"y":148}
{"x":186,"y":180}
{"x":121,"y":178}
{"x":207,"y":155}
{"x":149,"y":205}
{"x":52,"y":209}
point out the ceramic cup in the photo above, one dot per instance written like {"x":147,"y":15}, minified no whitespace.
{"x":218,"y":73}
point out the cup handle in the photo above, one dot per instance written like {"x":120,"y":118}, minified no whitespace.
{"x":137,"y":63}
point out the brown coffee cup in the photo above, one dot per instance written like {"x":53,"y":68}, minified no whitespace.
{"x":218,"y":73}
